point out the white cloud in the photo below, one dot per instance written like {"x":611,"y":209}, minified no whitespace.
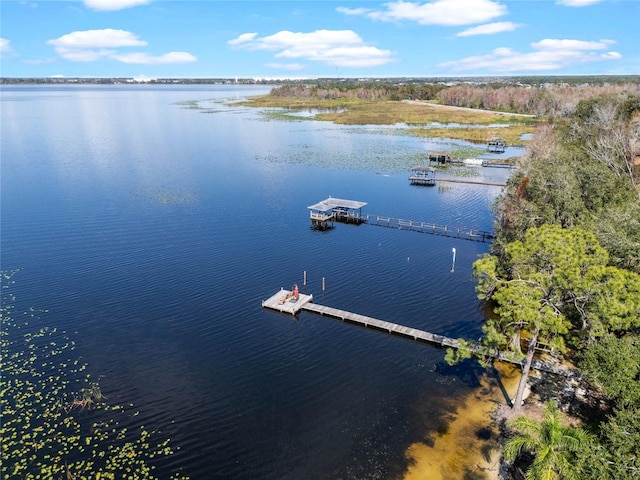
{"x":353,"y":11}
{"x":577,"y":3}
{"x":338,"y":48}
{"x":84,"y":54}
{"x":244,"y":38}
{"x":107,"y":38}
{"x":555,"y":44}
{"x":548,"y":54}
{"x":436,"y":12}
{"x":93,"y":45}
{"x":146,"y":59}
{"x":489,"y":29}
{"x":110,"y":5}
{"x":5,"y":48}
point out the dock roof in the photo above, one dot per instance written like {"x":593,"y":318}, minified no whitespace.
{"x":331,"y":203}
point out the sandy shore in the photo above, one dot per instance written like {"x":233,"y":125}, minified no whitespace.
{"x":468,"y":449}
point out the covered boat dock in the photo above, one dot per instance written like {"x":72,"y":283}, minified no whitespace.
{"x":441,"y":158}
{"x":336,"y":209}
{"x":496,"y":145}
{"x":423,"y":176}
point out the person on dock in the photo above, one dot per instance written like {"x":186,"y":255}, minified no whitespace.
{"x":296,"y":293}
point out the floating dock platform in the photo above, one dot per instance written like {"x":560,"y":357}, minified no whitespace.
{"x":284,"y":301}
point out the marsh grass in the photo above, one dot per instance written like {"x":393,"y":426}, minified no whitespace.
{"x":432,"y":120}
{"x":511,"y":134}
{"x":56,"y":423}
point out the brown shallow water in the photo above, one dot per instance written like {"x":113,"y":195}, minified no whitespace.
{"x":467,"y":447}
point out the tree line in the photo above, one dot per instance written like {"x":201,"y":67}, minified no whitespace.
{"x":564,"y":273}
{"x":545,"y":100}
{"x":369,"y":91}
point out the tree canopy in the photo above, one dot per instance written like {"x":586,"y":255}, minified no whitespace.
{"x":566,"y":266}
{"x":553,"y":284}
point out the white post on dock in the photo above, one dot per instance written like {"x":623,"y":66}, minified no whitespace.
{"x":453,"y":262}
{"x":323,"y":284}
{"x":304,"y":281}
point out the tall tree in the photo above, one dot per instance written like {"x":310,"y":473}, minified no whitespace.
{"x":554,"y":283}
{"x":552,"y":443}
{"x":532,"y":288}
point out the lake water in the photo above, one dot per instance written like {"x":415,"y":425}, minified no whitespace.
{"x":152,"y":232}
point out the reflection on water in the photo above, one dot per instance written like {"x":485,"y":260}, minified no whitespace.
{"x":153,"y":231}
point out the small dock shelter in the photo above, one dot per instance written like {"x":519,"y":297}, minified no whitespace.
{"x":423,"y":176}
{"x":496,"y":145}
{"x":336,"y":209}
{"x":441,"y":158}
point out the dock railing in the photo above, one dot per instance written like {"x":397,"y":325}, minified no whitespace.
{"x":429,"y":227}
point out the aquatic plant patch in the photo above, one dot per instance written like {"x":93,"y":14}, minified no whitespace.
{"x":56,"y":423}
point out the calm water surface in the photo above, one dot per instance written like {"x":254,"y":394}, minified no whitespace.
{"x":152,"y":232}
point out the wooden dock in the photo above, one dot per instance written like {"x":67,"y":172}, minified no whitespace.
{"x":323,"y":214}
{"x":423,"y":176}
{"x":388,"y":327}
{"x":283,"y":302}
{"x":431,"y":228}
{"x":475,"y":182}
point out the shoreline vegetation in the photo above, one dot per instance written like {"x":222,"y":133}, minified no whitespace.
{"x":563,"y":276}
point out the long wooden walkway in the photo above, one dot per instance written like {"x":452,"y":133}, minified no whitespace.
{"x":474,"y":182}
{"x":393,"y":328}
{"x":431,"y":228}
{"x":283,"y":302}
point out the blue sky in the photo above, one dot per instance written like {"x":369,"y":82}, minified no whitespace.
{"x":306,"y":39}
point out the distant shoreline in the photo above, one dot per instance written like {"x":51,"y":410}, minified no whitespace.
{"x":525,"y":80}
